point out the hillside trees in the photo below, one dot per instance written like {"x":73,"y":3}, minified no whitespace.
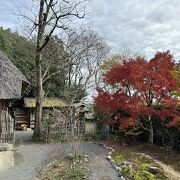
{"x":21,"y":51}
{"x":140,"y":90}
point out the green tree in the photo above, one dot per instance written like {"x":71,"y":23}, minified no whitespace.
{"x":21,"y":52}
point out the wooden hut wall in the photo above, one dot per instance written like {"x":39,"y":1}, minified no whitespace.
{"x":21,"y":116}
{"x":6,"y":123}
{"x":0,"y":117}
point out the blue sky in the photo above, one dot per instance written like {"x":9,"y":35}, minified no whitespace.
{"x":144,"y":25}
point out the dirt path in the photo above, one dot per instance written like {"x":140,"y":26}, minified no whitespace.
{"x":168,"y":170}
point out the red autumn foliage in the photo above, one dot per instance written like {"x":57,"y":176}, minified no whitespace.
{"x":139,"y":87}
{"x":175,"y":122}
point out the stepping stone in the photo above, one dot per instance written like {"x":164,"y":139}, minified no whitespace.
{"x":154,"y":169}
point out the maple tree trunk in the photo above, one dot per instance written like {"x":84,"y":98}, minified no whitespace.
{"x":151,"y":132}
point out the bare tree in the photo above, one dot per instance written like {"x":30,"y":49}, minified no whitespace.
{"x":76,"y":59}
{"x":86,"y":52}
{"x":52,"y":14}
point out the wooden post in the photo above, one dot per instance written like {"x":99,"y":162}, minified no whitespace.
{"x":0,"y":119}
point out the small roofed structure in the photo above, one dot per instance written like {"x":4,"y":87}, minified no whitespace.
{"x":81,"y":109}
{"x":47,"y":103}
{"x":30,"y":105}
{"x":12,"y":85}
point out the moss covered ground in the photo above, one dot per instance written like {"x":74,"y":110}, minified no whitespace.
{"x":138,"y":168}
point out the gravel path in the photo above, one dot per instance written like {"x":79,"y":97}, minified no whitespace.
{"x":100,"y":167}
{"x":31,"y":157}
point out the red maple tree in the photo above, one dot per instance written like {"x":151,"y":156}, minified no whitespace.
{"x":142,"y":89}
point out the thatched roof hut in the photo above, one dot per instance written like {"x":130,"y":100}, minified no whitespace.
{"x":12,"y":85}
{"x":12,"y":82}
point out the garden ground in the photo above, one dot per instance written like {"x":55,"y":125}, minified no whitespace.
{"x":31,"y":157}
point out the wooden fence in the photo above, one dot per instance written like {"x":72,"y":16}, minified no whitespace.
{"x":6,"y":128}
{"x":56,"y":131}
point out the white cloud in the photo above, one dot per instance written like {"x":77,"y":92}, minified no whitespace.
{"x":146,"y":25}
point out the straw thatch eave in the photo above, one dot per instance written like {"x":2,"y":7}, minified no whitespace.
{"x":12,"y":81}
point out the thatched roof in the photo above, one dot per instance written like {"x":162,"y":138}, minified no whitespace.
{"x":12,"y":81}
{"x":50,"y":102}
{"x":47,"y":103}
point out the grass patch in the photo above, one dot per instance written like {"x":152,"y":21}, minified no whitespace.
{"x":64,"y":170}
{"x":138,"y":167}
